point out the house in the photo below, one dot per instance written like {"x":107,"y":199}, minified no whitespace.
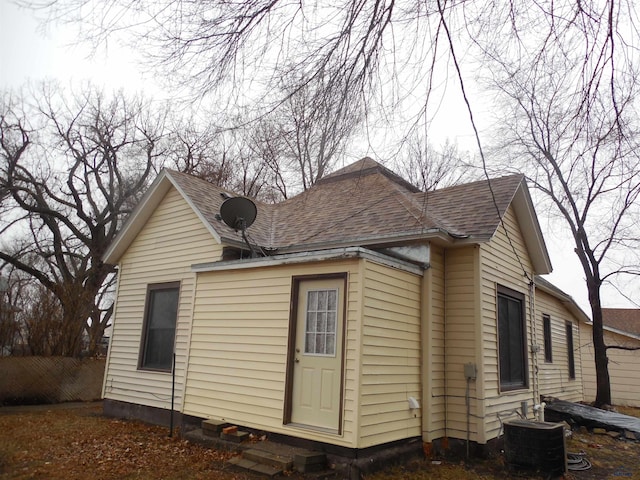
{"x":374,"y":314}
{"x":621,"y":329}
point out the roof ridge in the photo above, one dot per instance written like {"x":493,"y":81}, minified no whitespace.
{"x":364,"y":167}
{"x":486,"y":180}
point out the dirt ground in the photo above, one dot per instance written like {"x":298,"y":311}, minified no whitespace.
{"x":79,"y":443}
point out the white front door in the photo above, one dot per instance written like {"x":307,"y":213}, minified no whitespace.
{"x":317,"y":364}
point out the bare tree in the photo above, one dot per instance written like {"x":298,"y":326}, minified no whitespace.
{"x":572,"y":124}
{"x":428,"y":168}
{"x":315,"y":123}
{"x":392,"y":51}
{"x":241,"y":157}
{"x":245,"y":49}
{"x":200,"y":150}
{"x":73,"y":168}
{"x":9,"y":326}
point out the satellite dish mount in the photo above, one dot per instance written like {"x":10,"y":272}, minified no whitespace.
{"x":239,"y":213}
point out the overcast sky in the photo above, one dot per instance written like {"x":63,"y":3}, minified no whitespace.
{"x":28,"y":53}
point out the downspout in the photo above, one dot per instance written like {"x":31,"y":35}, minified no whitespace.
{"x":476,"y":371}
{"x":173,"y":391}
{"x":425,"y":353}
{"x":534,"y":343}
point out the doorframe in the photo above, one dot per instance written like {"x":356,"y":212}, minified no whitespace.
{"x":296,"y":280}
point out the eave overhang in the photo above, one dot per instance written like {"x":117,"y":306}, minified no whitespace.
{"x":307,"y":257}
{"x":531,"y":231}
{"x":565,"y":299}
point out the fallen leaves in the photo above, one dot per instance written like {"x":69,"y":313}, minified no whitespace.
{"x":79,"y":444}
{"x":68,"y":444}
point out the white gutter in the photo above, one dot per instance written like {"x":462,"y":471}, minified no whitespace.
{"x":377,"y":240}
{"x":306,"y":257}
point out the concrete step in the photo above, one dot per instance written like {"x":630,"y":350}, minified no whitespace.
{"x":268,"y":458}
{"x":270,"y":463}
{"x":261,"y":457}
{"x":306,"y":462}
{"x":255,"y":467}
{"x":235,"y":436}
{"x":213,"y":428}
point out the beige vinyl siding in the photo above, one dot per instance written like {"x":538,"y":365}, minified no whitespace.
{"x":170,"y":242}
{"x":554,"y":376}
{"x":434,"y":418}
{"x":390,"y":355}
{"x":504,"y":261}
{"x":461,"y":304}
{"x":624,"y":367}
{"x":238,"y":351}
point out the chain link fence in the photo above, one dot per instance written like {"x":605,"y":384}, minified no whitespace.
{"x":45,"y":380}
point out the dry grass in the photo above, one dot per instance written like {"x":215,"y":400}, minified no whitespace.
{"x":633,"y":411}
{"x":70,"y":444}
{"x":62,"y":444}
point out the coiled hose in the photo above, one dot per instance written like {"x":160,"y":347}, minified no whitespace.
{"x":577,"y":462}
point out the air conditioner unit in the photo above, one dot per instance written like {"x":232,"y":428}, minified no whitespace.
{"x":536,"y":446}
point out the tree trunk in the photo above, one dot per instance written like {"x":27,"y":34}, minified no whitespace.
{"x":603,"y":385}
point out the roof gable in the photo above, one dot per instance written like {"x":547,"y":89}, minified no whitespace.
{"x":363,"y":204}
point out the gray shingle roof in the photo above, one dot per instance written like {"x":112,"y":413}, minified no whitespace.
{"x":363,"y":204}
{"x":623,"y":319}
{"x":472,"y":208}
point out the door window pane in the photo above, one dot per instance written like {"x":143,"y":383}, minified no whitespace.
{"x":321,"y":322}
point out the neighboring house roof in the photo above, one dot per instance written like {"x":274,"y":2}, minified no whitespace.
{"x":622,"y":320}
{"x":363,"y":204}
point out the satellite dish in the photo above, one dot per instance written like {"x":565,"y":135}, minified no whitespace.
{"x":238,"y":212}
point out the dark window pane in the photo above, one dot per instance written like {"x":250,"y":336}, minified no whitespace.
{"x":571,"y":359}
{"x":160,"y":325}
{"x":546,"y":324}
{"x":511,"y":342}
